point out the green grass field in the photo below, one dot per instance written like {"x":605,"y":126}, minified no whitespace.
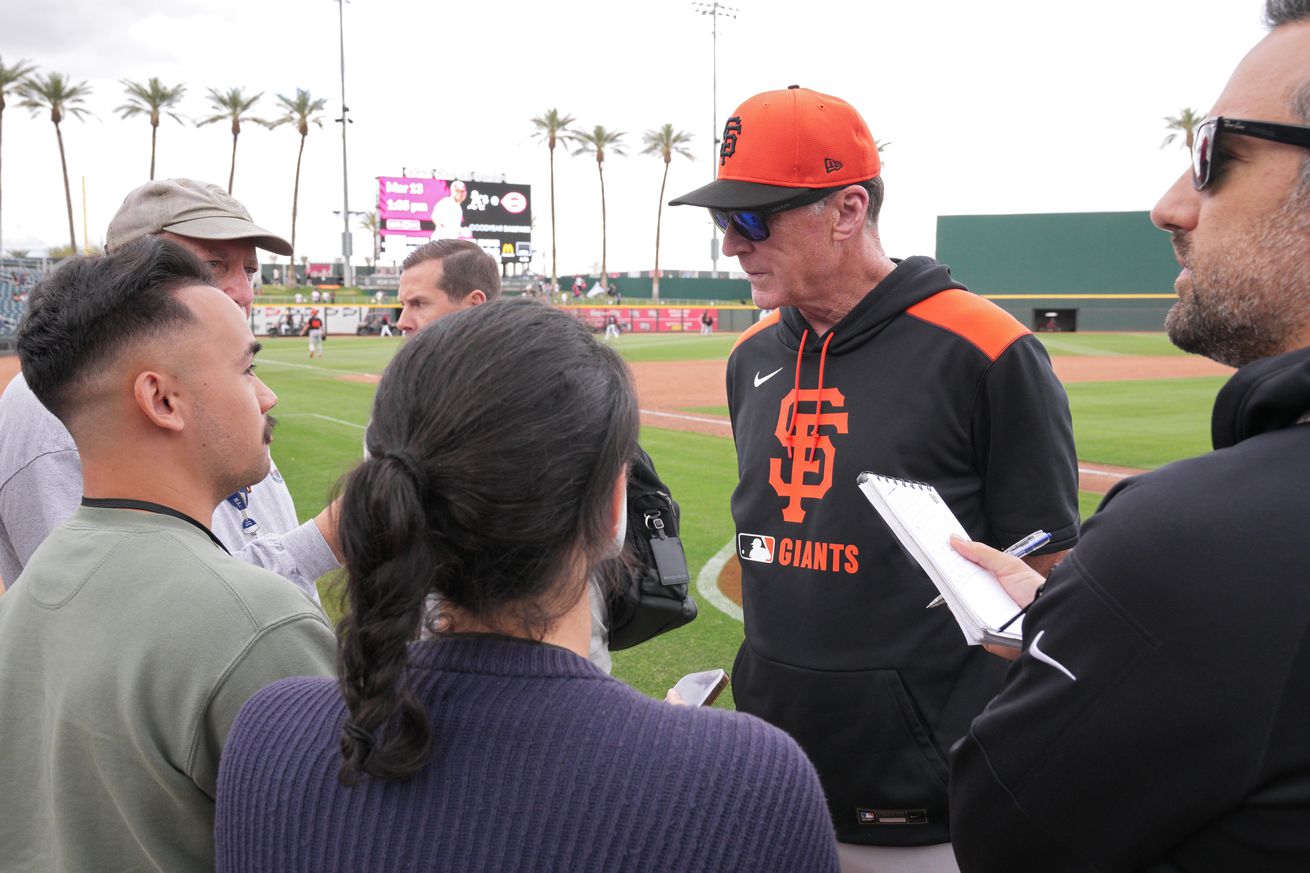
{"x":322,"y":418}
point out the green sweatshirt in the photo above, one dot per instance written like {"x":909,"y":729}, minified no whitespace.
{"x":125,"y":654}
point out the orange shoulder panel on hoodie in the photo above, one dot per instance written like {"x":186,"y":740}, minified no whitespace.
{"x":766,"y":321}
{"x":981,"y":322}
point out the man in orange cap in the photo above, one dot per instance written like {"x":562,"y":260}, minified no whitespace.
{"x":867,"y":363}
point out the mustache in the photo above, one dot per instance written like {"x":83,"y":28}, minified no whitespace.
{"x":1182,"y":249}
{"x":269,"y":424}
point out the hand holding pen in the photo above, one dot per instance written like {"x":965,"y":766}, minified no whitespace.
{"x":1020,"y":549}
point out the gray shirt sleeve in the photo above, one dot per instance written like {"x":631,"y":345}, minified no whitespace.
{"x":300,"y":556}
{"x":34,"y":501}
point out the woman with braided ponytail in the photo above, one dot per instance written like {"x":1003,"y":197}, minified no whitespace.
{"x":496,"y":483}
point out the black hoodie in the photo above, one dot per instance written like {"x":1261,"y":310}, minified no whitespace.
{"x":921,"y":380}
{"x":1175,"y":733}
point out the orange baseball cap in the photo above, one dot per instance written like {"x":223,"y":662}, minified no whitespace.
{"x":781,"y":141}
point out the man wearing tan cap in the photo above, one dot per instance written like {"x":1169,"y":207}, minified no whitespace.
{"x":40,"y":471}
{"x":867,"y":363}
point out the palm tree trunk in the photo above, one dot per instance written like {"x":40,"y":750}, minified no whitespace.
{"x":154,"y":130}
{"x":604,"y":272}
{"x":554,"y":274}
{"x":68,"y":193}
{"x":659,"y":216}
{"x":232,"y":173}
{"x":295,"y":199}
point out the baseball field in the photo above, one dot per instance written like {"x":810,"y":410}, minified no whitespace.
{"x":1137,"y":403}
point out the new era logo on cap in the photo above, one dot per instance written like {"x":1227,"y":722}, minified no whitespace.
{"x":831,"y":166}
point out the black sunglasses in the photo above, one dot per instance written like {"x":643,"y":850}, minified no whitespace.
{"x":1205,"y":142}
{"x":753,"y":224}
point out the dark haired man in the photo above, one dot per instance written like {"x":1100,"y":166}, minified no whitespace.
{"x":40,"y":472}
{"x":867,"y":363}
{"x":133,"y":637}
{"x":442,"y":277}
{"x":1159,"y":715}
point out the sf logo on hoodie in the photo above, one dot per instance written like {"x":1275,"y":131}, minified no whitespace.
{"x":809,"y":454}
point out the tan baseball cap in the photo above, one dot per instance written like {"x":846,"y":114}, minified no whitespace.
{"x":187,"y":208}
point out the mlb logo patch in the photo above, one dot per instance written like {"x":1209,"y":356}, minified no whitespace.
{"x":756,"y":547}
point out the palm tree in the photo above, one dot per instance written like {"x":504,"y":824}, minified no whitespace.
{"x":10,"y":76}
{"x":369,"y":222}
{"x":58,"y":94}
{"x":151,"y":99}
{"x":302,"y":111}
{"x":552,"y":127}
{"x":595,"y":143}
{"x":665,"y":142}
{"x":232,"y":106}
{"x":1185,"y":122}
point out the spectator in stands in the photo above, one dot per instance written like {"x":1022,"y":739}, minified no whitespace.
{"x":40,"y":471}
{"x":133,"y":638}
{"x":495,"y":744}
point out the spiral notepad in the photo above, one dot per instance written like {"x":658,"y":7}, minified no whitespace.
{"x":923,"y":524}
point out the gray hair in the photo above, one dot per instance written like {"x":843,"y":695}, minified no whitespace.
{"x":874,"y":187}
{"x":1280,"y":12}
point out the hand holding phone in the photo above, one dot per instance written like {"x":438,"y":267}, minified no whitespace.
{"x":701,"y":689}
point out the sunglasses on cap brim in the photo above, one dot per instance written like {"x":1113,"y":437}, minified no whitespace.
{"x":1207,"y":153}
{"x":753,"y":224}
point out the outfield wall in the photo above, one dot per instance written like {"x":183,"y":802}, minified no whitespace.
{"x":1100,"y":270}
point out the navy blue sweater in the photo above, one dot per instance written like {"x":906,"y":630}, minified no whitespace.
{"x":541,"y":762}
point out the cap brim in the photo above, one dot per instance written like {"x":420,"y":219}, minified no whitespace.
{"x":231,"y":228}
{"x":733,"y":194}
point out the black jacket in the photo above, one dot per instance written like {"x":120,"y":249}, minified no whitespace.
{"x":1182,"y":742}
{"x":839,"y":650}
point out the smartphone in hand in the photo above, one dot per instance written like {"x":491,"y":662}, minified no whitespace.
{"x":701,"y":689}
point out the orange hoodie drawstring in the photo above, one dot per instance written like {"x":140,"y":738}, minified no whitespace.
{"x":795,"y":407}
{"x":818,"y":403}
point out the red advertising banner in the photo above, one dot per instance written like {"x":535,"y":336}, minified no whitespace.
{"x":639,"y":319}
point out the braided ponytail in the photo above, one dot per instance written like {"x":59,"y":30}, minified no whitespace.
{"x":390,"y":561}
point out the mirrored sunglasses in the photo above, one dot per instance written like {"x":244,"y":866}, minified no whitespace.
{"x":753,"y":224}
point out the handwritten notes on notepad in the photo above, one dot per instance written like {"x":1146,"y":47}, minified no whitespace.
{"x":923,"y":524}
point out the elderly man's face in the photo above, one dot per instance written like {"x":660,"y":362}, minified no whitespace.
{"x":233,"y":264}
{"x":1244,"y":242}
{"x":787,"y":265}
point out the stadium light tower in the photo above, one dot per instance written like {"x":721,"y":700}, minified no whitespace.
{"x":348,"y":277}
{"x":714,"y":10}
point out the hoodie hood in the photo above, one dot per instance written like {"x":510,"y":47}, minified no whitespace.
{"x":1266,"y":395}
{"x":914,"y":279}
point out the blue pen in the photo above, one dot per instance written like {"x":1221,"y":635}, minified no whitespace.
{"x":1022,"y":548}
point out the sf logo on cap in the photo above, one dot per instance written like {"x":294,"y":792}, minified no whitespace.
{"x":729,"y":147}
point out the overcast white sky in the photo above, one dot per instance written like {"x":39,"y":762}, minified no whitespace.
{"x":1007,"y":106}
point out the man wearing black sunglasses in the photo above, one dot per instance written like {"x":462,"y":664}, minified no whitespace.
{"x":1157,"y":718}
{"x":867,"y":364}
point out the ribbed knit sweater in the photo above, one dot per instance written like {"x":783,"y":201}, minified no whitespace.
{"x":541,"y":762}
